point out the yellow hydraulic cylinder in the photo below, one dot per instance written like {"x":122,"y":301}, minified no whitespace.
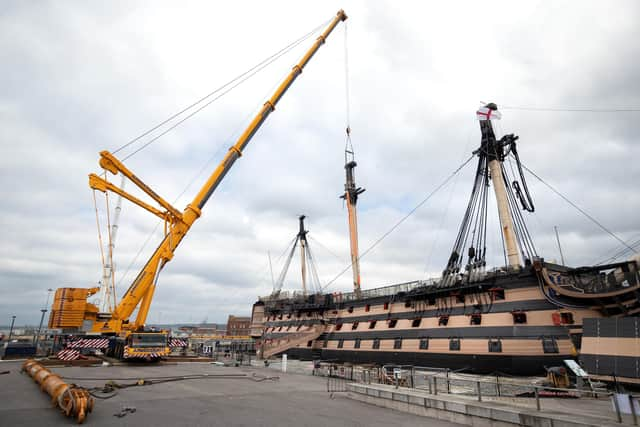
{"x":73,"y":401}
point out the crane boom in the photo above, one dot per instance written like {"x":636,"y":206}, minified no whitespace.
{"x":177,"y":224}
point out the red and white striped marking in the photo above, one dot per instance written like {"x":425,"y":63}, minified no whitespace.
{"x":68,"y":354}
{"x":89,"y":343}
{"x":178,"y":342}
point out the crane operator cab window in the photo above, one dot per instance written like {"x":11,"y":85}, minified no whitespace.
{"x":148,"y":340}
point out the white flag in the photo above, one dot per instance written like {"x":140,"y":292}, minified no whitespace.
{"x":485,"y":113}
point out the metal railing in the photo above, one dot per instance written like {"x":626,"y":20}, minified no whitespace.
{"x":444,"y":381}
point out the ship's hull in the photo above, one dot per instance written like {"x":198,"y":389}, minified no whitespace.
{"x":481,"y":364}
{"x":510,"y":322}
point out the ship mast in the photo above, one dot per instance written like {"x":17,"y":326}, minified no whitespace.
{"x":350,"y":195}
{"x":495,"y":156}
{"x":510,"y":191}
{"x":302,"y":238}
{"x":307,"y":262}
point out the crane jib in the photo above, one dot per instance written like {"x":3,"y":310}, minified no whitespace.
{"x":177,"y":224}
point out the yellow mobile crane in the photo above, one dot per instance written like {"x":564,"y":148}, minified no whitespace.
{"x":70,"y":309}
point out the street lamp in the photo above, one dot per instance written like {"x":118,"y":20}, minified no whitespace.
{"x":44,"y":310}
{"x":13,"y":319}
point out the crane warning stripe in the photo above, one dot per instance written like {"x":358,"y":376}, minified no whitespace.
{"x":178,"y":342}
{"x":68,"y":354}
{"x":89,"y":343}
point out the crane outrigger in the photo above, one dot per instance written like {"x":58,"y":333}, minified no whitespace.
{"x":70,"y":308}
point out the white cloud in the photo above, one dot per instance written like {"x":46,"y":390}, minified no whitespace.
{"x":79,"y":78}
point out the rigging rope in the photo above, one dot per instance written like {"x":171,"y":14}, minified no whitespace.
{"x":580,"y":210}
{"x":241,"y":78}
{"x":397,"y":224}
{"x":325,"y":248}
{"x":576,"y":110}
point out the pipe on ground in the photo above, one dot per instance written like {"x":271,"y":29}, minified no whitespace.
{"x":73,"y":401}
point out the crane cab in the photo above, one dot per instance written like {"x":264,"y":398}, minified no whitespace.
{"x":146,"y":345}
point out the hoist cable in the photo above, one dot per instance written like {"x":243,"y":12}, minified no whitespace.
{"x":346,"y":79}
{"x":205,"y":105}
{"x":274,"y":57}
{"x":95,"y":206}
{"x":580,"y":210}
{"x":404,"y":218}
{"x":249,"y":73}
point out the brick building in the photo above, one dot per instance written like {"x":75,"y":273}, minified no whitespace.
{"x":238,"y":325}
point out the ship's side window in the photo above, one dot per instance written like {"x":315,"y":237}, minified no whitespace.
{"x":280,"y":328}
{"x":338,"y":326}
{"x":357,"y":342}
{"x":372,"y":324}
{"x":407,"y":304}
{"x":443,"y":320}
{"x":550,"y":345}
{"x":476,"y":318}
{"x":416,"y":322}
{"x":495,"y":346}
{"x":288,"y":328}
{"x":309,"y":343}
{"x":376,"y":343}
{"x":497,"y":293}
{"x":393,"y":323}
{"x":324,"y":343}
{"x":280,"y":317}
{"x":340,"y":343}
{"x":424,"y":344}
{"x":454,"y":344}
{"x":367,"y":307}
{"x":519,"y":317}
{"x":566,"y":318}
{"x":386,"y":305}
{"x":289,"y":316}
{"x":354,"y":325}
{"x":397,"y":343}
{"x":350,"y":309}
{"x":298,"y":328}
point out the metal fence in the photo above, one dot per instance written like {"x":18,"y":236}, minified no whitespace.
{"x":496,"y":388}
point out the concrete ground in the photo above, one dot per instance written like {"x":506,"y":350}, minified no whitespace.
{"x":291,"y":400}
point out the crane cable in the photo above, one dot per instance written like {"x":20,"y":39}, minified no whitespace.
{"x":404,"y":218}
{"x":230,"y":85}
{"x":100,"y":242}
{"x":346,"y":86}
{"x":244,"y":76}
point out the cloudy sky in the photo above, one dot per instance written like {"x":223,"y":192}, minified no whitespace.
{"x":81,"y":77}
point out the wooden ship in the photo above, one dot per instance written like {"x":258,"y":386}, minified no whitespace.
{"x":515,"y":319}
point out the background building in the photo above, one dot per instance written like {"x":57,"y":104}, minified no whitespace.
{"x":238,"y":325}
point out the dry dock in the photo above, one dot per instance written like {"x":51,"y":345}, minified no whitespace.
{"x":291,"y":400}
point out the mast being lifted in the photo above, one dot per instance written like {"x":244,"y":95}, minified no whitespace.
{"x":350,"y":195}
